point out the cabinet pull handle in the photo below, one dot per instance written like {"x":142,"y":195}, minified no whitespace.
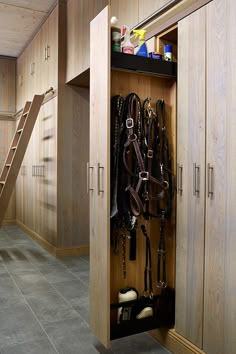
{"x":33,"y":171}
{"x":180,"y":178}
{"x":48,"y":51}
{"x":210,"y":181}
{"x":88,"y":177}
{"x":100,"y":190}
{"x":45,"y":53}
{"x":196,"y":180}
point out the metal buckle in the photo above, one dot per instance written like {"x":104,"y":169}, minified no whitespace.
{"x":144,"y":175}
{"x":165,"y":184}
{"x":129,"y":123}
{"x":161,"y":284}
{"x":150,"y":154}
{"x":132,"y":137}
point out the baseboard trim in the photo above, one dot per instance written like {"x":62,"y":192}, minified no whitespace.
{"x":53,"y":250}
{"x":8,"y":222}
{"x":174,"y":342}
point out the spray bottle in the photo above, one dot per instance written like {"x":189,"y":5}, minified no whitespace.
{"x":127,"y":46}
{"x":115,"y":35}
{"x":142,"y":51}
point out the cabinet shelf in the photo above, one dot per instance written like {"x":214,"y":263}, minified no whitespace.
{"x":148,"y":66}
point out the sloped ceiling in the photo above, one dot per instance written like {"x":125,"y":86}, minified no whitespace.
{"x":19,"y":20}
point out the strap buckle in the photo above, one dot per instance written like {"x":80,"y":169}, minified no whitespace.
{"x":150,"y":154}
{"x":144,"y":175}
{"x":129,"y":123}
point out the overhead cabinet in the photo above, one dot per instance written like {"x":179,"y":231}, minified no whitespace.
{"x":7,"y":85}
{"x":106,"y":279}
{"x":206,"y":244}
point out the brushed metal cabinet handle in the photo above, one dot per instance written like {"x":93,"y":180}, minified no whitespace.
{"x":48,"y":51}
{"x":100,"y":189}
{"x":196,"y":180}
{"x":210,"y":183}
{"x":88,"y":177}
{"x":45,"y":53}
{"x":180,"y":178}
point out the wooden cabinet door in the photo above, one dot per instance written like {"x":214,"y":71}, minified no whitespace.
{"x":43,"y":33}
{"x":99,"y":176}
{"x":47,"y":172}
{"x":126,"y":12}
{"x":7,"y":85}
{"x":52,"y":49}
{"x":220,"y":253}
{"x":19,"y":83}
{"x":191,"y":177}
{"x":148,"y":7}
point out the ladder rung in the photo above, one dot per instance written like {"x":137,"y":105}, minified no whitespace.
{"x":2,"y":182}
{"x":13,"y":148}
{"x":8,"y":165}
{"x":19,"y":130}
{"x":25,"y":114}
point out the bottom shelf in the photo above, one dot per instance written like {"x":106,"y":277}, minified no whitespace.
{"x":163,"y":307}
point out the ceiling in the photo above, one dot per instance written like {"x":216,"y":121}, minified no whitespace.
{"x":19,"y":20}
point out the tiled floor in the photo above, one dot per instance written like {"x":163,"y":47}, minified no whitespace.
{"x":44,"y":303}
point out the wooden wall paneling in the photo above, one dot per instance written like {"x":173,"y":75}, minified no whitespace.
{"x":100,"y":178}
{"x":191,"y":150}
{"x":127,"y":12}
{"x":147,"y":7}
{"x":78,"y":34}
{"x":124,"y":83}
{"x":7,"y":129}
{"x":220,"y":304}
{"x":7,"y":85}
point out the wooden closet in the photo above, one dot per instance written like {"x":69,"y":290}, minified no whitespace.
{"x":105,"y":267}
{"x":51,"y":194}
{"x":206,"y":207}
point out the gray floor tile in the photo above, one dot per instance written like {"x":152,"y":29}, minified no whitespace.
{"x":19,"y":266}
{"x":72,"y":336}
{"x":85,"y":258}
{"x":83,"y":275}
{"x":9,"y":293}
{"x":75,"y":264}
{"x":50,"y":307}
{"x":43,"y":346}
{"x":56,"y":273}
{"x":18,"y":325}
{"x":31,"y":281}
{"x":139,"y":343}
{"x":73,"y":290}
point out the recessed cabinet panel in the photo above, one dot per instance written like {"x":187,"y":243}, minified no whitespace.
{"x":7,"y":85}
{"x":148,"y":7}
{"x":127,"y":12}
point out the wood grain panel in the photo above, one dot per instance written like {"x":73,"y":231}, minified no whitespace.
{"x":191,"y":149}
{"x":123,"y":83}
{"x":148,"y":7}
{"x":126,"y":12}
{"x":220,"y":266}
{"x":100,"y":153}
{"x":78,"y":34}
{"x":7,"y":85}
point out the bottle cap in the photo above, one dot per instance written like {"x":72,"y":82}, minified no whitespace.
{"x":168,"y":48}
{"x":114,"y":20}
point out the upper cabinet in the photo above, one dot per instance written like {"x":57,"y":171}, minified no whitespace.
{"x":37,"y":67}
{"x":148,"y":7}
{"x":7,"y":85}
{"x":127,"y":12}
{"x":79,"y":15}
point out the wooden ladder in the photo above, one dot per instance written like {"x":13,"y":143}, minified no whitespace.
{"x":17,"y":151}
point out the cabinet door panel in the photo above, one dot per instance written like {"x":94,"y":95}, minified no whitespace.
{"x":52,"y":49}
{"x":148,"y":7}
{"x":191,"y":172}
{"x":7,"y":85}
{"x":126,"y":12}
{"x":220,"y":254}
{"x":99,"y":178}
